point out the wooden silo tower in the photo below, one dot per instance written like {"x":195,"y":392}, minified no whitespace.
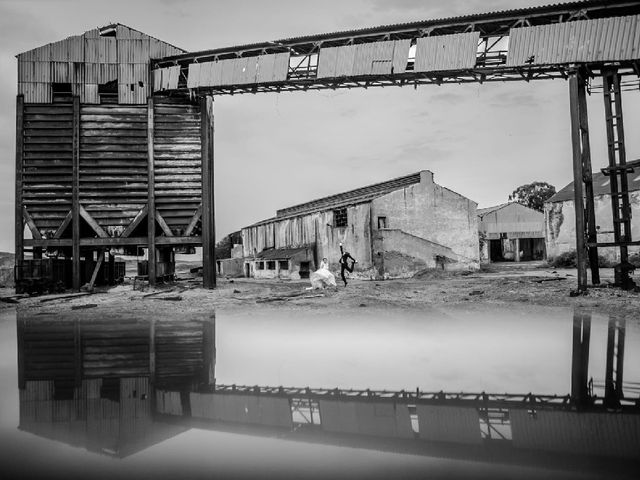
{"x":103,"y":164}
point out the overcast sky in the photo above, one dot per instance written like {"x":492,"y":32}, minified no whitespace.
{"x":277,"y":150}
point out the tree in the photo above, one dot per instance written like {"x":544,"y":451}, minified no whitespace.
{"x":533,"y":195}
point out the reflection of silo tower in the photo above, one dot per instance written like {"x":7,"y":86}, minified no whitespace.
{"x":101,"y":384}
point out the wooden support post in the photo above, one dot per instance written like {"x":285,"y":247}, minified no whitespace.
{"x":77,"y":353}
{"x":578,"y":174}
{"x":209,"y":351}
{"x":19,"y":221}
{"x":151,"y":199}
{"x":580,"y":358}
{"x":152,"y":364}
{"x":613,"y":391}
{"x":75,"y":198}
{"x":21,"y":325}
{"x":208,"y":210}
{"x":587,"y":178}
{"x":94,"y":276}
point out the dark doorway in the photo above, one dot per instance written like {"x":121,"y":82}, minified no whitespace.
{"x":305,"y":269}
{"x":495,"y":250}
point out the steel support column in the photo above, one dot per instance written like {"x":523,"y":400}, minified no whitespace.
{"x":19,"y":219}
{"x":151,"y":198}
{"x":208,"y":209}
{"x":75,"y":197}
{"x":575,"y":82}
{"x":580,"y":358}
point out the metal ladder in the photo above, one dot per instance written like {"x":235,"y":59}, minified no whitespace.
{"x":617,"y":172}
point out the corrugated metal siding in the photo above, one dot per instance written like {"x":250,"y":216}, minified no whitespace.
{"x":607,"y":434}
{"x":47,"y":163}
{"x":446,"y":52}
{"x":166,"y":78}
{"x":439,"y":423}
{"x":168,"y":403}
{"x":385,"y":419}
{"x":177,"y":162}
{"x":251,"y":409}
{"x":602,"y":39}
{"x":113,"y":163}
{"x":88,"y":60}
{"x":364,"y":59}
{"x":237,"y":71}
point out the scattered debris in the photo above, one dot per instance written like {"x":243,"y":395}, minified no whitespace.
{"x":477,"y":292}
{"x":235,"y":290}
{"x":172,"y":298}
{"x":65,"y":297}
{"x":554,"y":279}
{"x":86,"y":305}
{"x":9,"y":300}
{"x":362,"y":305}
{"x":159,"y":292}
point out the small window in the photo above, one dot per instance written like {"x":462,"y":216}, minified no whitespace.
{"x":108,"y":92}
{"x":382,"y":222}
{"x":61,"y":92}
{"x":259,"y":265}
{"x":271,"y":265}
{"x":340,"y":217}
{"x":283,"y":264}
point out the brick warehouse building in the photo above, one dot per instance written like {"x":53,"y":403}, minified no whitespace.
{"x":394,"y":229}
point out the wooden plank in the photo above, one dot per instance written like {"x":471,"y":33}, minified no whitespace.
{"x":92,"y":223}
{"x":94,"y":275}
{"x":208,"y":211}
{"x":165,"y":228}
{"x":136,"y":221}
{"x":578,"y":174}
{"x":31,"y":224}
{"x":19,"y":219}
{"x":75,"y":201}
{"x":151,"y":206}
{"x":194,"y":221}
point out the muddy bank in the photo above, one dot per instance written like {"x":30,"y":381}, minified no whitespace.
{"x":534,"y":286}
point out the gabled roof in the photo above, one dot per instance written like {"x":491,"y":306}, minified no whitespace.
{"x":281,"y":253}
{"x":481,"y":212}
{"x":118,"y":30}
{"x":359,"y":195}
{"x":601,"y":186}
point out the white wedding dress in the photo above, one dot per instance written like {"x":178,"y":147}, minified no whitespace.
{"x":322,"y":277}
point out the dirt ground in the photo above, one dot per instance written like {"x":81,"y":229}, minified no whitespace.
{"x":531,"y":284}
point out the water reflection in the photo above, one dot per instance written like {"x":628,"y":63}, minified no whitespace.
{"x":119,"y":386}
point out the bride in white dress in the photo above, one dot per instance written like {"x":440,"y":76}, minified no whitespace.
{"x":322,"y":277}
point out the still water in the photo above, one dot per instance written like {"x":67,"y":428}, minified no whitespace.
{"x":46,"y":433}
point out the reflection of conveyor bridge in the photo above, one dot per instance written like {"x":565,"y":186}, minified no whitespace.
{"x":117,"y":387}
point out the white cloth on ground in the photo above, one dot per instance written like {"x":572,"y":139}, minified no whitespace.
{"x":322,"y":277}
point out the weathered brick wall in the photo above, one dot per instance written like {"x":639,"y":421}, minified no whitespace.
{"x":560,"y":226}
{"x":432,"y":212}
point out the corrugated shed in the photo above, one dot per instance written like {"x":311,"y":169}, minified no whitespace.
{"x":364,"y":59}
{"x":251,"y":409}
{"x":273,"y":68}
{"x":382,"y":419}
{"x":606,"y":434}
{"x":601,"y":39}
{"x":511,"y":218}
{"x":601,"y":186}
{"x":446,"y":52}
{"x":439,"y":423}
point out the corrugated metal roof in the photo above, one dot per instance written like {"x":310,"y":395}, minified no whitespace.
{"x":601,"y":186}
{"x":353,"y":196}
{"x":281,"y":253}
{"x":498,"y":16}
{"x":483,"y":211}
